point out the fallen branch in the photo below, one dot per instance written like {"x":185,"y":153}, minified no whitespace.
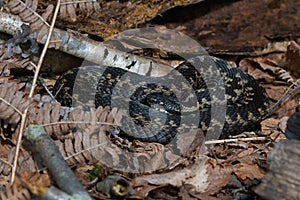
{"x":46,"y":150}
{"x":82,"y":47}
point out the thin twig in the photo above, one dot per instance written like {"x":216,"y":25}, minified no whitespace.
{"x":24,"y":115}
{"x":5,"y":162}
{"x":43,"y":83}
{"x":12,"y":106}
{"x":85,"y":150}
{"x":287,"y":95}
{"x":76,"y":2}
{"x":75,"y":122}
{"x":236,"y":140}
{"x":35,"y":13}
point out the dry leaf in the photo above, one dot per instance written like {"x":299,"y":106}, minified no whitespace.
{"x":292,"y":56}
{"x":246,"y":171}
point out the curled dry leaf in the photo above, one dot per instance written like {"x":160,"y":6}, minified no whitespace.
{"x":253,"y":67}
{"x":150,"y":155}
{"x":248,"y":172}
{"x":270,"y":126}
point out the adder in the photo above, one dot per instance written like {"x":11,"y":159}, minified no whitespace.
{"x":161,"y":107}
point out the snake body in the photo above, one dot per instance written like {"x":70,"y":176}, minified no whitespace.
{"x":167,"y":103}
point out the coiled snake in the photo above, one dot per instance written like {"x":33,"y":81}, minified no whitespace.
{"x":170,"y":104}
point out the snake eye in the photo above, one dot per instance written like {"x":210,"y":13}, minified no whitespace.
{"x":164,"y":103}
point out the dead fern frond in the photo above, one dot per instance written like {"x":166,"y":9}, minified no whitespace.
{"x":4,"y":69}
{"x":38,"y":23}
{"x":285,"y":76}
{"x":88,"y":140}
{"x":68,"y":8}
{"x":34,"y":181}
{"x":15,"y":192}
{"x":91,"y":144}
{"x":48,"y":114}
{"x":6,"y":159}
{"x":13,"y":101}
{"x":25,"y":160}
{"x":13,"y":63}
{"x":86,"y":130}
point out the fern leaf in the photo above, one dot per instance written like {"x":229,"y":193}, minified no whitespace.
{"x":38,"y":23}
{"x":68,"y":8}
{"x":12,"y":101}
{"x":15,"y":193}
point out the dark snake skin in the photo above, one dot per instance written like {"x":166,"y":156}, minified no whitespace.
{"x":173,"y":106}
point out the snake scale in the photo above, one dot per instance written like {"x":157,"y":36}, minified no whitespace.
{"x":169,"y":104}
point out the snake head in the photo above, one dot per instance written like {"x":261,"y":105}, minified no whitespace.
{"x":157,"y":97}
{"x":164,"y":103}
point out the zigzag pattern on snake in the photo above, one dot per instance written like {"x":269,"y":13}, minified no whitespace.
{"x":160,"y":107}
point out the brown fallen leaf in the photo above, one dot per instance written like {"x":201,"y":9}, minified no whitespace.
{"x":203,"y":176}
{"x":254,"y":68}
{"x":269,"y":125}
{"x":292,"y":56}
{"x":247,"y":171}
